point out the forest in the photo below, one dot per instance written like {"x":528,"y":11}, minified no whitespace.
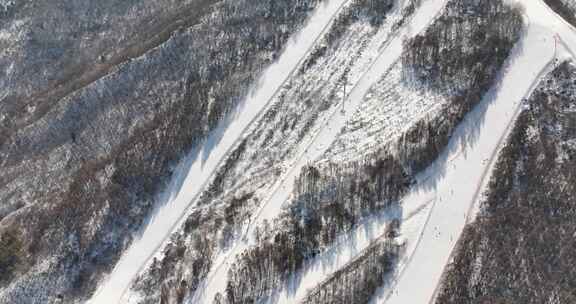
{"x":328,"y":203}
{"x":97,"y":167}
{"x":521,"y":247}
{"x":82,"y":173}
{"x":357,"y":281}
{"x":10,"y":255}
{"x":564,"y":8}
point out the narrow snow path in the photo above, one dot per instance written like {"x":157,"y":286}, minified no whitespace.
{"x":472,"y":152}
{"x":196,"y":172}
{"x":313,"y":149}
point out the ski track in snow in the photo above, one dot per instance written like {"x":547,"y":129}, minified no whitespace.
{"x":311,"y":151}
{"x":459,"y":185}
{"x":196,"y":171}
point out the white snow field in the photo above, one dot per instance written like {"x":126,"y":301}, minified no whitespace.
{"x":458,"y":178}
{"x":194,"y":173}
{"x":311,"y":150}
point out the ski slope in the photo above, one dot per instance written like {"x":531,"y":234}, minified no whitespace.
{"x":315,"y":148}
{"x":459,"y":177}
{"x":454,"y":185}
{"x":196,"y":171}
{"x":434,"y":214}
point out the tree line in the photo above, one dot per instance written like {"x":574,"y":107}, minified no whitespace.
{"x":328,"y":201}
{"x":358,"y":280}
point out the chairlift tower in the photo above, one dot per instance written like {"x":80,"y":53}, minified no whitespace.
{"x":344,"y":82}
{"x":343,"y":99}
{"x":556,"y":38}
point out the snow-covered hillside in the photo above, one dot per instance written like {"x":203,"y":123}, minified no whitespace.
{"x":277,"y":151}
{"x":197,"y":172}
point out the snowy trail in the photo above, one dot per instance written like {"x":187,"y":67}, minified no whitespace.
{"x":313,"y":149}
{"x":459,"y":185}
{"x":539,"y":13}
{"x":194,"y":174}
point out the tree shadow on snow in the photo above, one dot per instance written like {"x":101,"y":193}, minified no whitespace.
{"x":346,"y":247}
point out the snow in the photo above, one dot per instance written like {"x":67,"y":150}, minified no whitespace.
{"x":352,"y":245}
{"x":314,"y":148}
{"x":458,"y":184}
{"x":6,"y":4}
{"x":450,"y":188}
{"x":272,"y":143}
{"x":196,"y":171}
{"x":388,"y":110}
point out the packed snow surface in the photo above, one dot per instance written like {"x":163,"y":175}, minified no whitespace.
{"x":458,"y":177}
